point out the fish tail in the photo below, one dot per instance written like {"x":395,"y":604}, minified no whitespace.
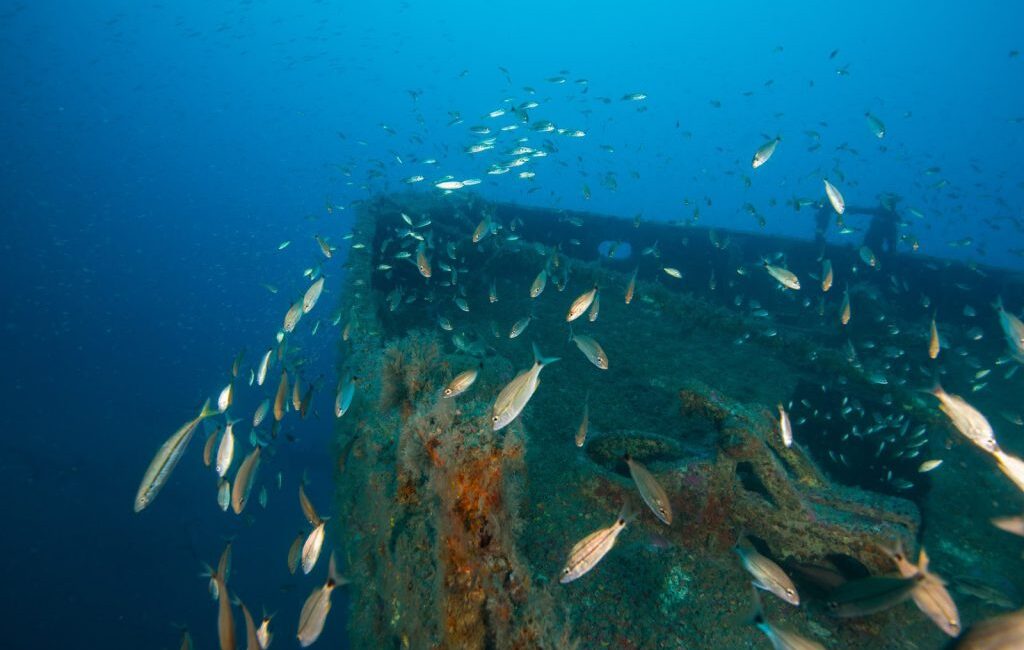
{"x":333,"y":577}
{"x":627,"y":513}
{"x":754,"y":615}
{"x":208,"y":411}
{"x":540,"y":358}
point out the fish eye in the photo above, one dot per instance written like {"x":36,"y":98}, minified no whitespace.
{"x":494,"y":418}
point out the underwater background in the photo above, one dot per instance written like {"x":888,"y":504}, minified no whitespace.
{"x":154,"y":156}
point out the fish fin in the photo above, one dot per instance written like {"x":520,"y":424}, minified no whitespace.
{"x":626,"y":513}
{"x":207,"y":571}
{"x":755,"y":615}
{"x":922,"y":561}
{"x":207,"y":411}
{"x":540,"y":358}
{"x":759,"y":585}
{"x":333,"y":577}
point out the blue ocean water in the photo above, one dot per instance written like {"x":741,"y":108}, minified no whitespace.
{"x":154,"y":155}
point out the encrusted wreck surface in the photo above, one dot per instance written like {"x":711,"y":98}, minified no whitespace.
{"x":454,"y":535}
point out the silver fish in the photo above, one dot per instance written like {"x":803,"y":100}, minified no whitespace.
{"x":312,"y":295}
{"x":581,"y":433}
{"x":261,"y":374}
{"x":967,"y":420}
{"x":519,"y":327}
{"x":167,"y":457}
{"x":767,"y":575}
{"x":1012,"y":466}
{"x":835,"y":197}
{"x":1013,"y":329}
{"x":650,"y":490}
{"x":263,"y":634}
{"x":539,"y":283}
{"x":261,"y":413}
{"x":581,"y":305}
{"x":315,"y":610}
{"x":514,"y":397}
{"x":343,"y":401}
{"x":312,"y":546}
{"x":244,"y":479}
{"x":764,"y":152}
{"x":785,"y":428}
{"x":930,"y":594}
{"x":590,"y":550}
{"x":591,"y":349}
{"x":1012,"y":525}
{"x":224,"y":494}
{"x":785,"y":277}
{"x":781,"y":638}
{"x":1003,"y":632}
{"x":460,"y":383}
{"x":226,"y":449}
{"x":292,"y":316}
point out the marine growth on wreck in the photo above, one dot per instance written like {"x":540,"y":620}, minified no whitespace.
{"x":670,"y":347}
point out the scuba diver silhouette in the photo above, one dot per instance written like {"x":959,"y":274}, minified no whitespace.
{"x":882,"y":233}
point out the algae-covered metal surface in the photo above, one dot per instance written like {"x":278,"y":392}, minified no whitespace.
{"x":455,"y":534}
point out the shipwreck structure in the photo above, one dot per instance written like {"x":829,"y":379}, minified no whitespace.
{"x":454,"y":534}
